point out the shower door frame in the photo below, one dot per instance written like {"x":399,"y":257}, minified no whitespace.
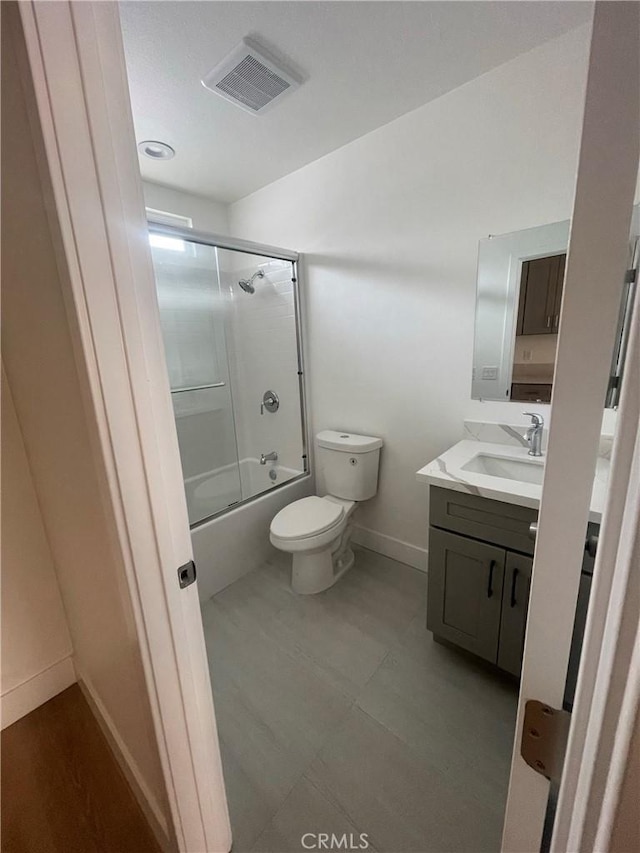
{"x":233,"y":244}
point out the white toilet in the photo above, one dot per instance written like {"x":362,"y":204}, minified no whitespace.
{"x":317,"y":530}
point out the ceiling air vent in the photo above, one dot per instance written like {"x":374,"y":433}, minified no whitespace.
{"x":250,"y":79}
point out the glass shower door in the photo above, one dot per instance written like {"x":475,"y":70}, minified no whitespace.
{"x":265,"y":365}
{"x":231,"y":328}
{"x":193,"y":314}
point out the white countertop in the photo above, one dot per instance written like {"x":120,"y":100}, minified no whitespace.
{"x":446,"y":471}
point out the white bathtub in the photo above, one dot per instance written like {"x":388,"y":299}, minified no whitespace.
{"x":236,"y":542}
{"x":213,"y":491}
{"x":255,"y":478}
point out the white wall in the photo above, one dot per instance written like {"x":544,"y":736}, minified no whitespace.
{"x":389,"y":226}
{"x":60,"y":441}
{"x":36,"y":646}
{"x":207,"y":214}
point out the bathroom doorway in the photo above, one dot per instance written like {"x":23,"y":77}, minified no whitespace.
{"x":401,"y":802}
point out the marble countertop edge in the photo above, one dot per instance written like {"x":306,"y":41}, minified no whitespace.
{"x":446,"y":471}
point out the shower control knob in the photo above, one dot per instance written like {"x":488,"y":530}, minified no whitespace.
{"x":270,"y":402}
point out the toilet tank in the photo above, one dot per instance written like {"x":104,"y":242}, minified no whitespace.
{"x":349,"y":464}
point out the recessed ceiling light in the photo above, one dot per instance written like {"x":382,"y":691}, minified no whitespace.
{"x":156,"y":150}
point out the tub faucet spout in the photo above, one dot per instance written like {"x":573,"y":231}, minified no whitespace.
{"x":272,"y":456}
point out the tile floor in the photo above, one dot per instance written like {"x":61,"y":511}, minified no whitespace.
{"x":338,"y":713}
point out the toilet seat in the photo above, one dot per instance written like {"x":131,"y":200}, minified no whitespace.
{"x":306,"y":518}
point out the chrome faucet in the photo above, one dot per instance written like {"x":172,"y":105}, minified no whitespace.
{"x":534,"y":433}
{"x":272,"y":456}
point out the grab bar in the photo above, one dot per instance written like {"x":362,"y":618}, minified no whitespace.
{"x":197,"y":387}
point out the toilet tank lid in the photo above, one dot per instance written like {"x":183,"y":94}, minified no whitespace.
{"x":349,"y":442}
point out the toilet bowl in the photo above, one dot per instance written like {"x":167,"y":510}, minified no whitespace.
{"x":315,"y":530}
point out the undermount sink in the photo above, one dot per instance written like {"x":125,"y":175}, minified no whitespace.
{"x":523,"y":470}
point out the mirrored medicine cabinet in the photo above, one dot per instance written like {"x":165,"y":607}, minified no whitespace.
{"x":518,"y":298}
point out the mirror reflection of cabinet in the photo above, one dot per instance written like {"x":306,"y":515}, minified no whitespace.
{"x":519,"y":295}
{"x":540,"y":296}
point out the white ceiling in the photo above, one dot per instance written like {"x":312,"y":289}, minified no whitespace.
{"x":365,"y":63}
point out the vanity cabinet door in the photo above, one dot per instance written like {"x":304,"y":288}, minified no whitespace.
{"x":515,"y":604}
{"x":465,"y":592}
{"x":538,"y":295}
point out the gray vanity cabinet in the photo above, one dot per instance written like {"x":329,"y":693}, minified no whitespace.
{"x":513,"y":618}
{"x":465,"y":592}
{"x":480,"y":561}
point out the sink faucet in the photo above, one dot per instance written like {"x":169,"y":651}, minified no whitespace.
{"x":272,"y":456}
{"x":534,"y":433}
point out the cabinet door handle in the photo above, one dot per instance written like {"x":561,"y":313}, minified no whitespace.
{"x":549,"y":321}
{"x":492,"y":566}
{"x":514,"y":578}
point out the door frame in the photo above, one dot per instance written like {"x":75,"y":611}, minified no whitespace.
{"x":608,"y":688}
{"x":76,"y":61}
{"x":596,"y":262}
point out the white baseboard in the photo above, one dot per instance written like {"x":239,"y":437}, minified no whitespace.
{"x":403,"y":552}
{"x":148,"y":802}
{"x":35,"y":691}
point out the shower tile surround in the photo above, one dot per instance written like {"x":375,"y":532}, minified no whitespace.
{"x":338,"y":713}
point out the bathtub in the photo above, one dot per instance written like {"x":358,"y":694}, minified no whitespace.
{"x":236,"y":542}
{"x":256,"y":478}
{"x":214,"y":491}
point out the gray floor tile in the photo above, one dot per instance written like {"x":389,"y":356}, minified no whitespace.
{"x":249,"y":810}
{"x":307,"y":811}
{"x":335,"y":637}
{"x":462,"y":728}
{"x":391,"y":793}
{"x":379,"y":596}
{"x":253,"y":599}
{"x":274,"y":706}
{"x":269,"y":763}
{"x":280,"y":696}
{"x":420,"y":762}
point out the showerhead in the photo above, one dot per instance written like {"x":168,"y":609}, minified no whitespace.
{"x":247,"y":283}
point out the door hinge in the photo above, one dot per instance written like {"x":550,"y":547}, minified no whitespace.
{"x":544,"y":738}
{"x":187,"y":574}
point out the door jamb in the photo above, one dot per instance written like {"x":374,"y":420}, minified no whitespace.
{"x":76,"y":62}
{"x":106,"y":253}
{"x":608,"y":688}
{"x":598,"y":247}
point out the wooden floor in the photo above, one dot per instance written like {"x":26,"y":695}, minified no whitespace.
{"x":62,"y":789}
